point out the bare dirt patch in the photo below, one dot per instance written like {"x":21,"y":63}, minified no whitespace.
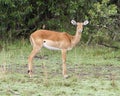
{"x":107,"y":72}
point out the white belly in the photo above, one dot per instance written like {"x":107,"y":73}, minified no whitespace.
{"x":53,"y":45}
{"x":50,"y":47}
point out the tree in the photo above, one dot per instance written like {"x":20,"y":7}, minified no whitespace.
{"x":102,"y":15}
{"x":22,"y":17}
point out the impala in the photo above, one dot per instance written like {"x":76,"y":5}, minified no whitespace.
{"x":55,"y":41}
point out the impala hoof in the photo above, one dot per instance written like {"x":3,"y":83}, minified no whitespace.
{"x":66,"y":76}
{"x":30,"y":73}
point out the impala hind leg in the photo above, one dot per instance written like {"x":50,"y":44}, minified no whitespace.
{"x":36,"y":48}
{"x":30,"y":59}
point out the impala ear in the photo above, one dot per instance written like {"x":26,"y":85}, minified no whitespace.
{"x":73,"y":22}
{"x":85,"y":22}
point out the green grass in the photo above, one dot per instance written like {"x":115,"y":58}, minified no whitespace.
{"x":93,"y":70}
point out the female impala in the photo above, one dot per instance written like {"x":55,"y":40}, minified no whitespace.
{"x":55,"y":41}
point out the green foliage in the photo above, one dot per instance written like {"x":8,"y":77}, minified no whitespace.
{"x":103,"y":21}
{"x":21,"y":17}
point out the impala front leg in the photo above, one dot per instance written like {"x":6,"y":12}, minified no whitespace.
{"x":64,"y":69}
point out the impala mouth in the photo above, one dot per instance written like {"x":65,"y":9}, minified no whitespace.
{"x":80,"y":30}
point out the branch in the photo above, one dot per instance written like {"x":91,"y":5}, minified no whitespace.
{"x":110,"y":46}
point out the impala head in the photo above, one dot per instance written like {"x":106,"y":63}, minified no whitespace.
{"x":79,"y":24}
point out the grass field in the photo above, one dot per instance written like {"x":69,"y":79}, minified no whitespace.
{"x":92,"y":70}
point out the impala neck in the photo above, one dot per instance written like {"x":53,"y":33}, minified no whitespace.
{"x":77,"y":37}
